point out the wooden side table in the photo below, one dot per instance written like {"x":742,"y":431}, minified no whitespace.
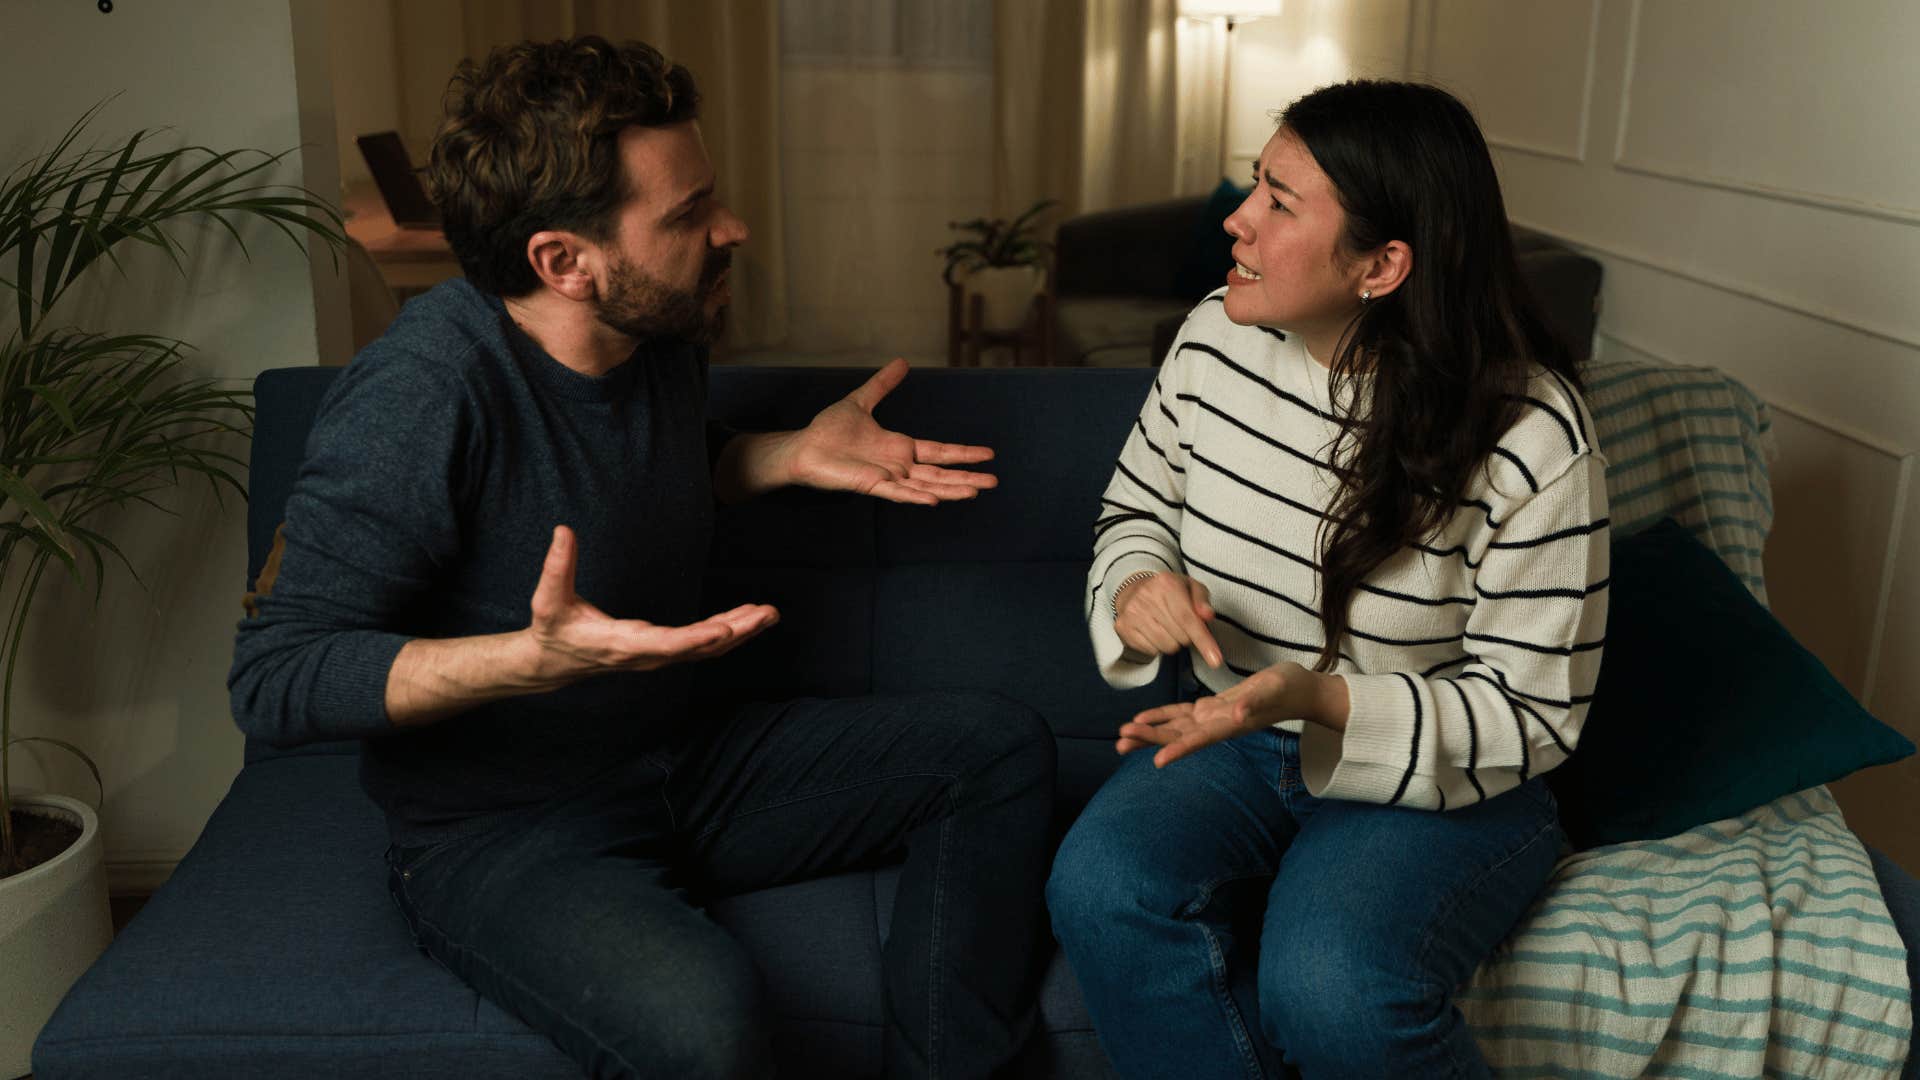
{"x":966,"y":337}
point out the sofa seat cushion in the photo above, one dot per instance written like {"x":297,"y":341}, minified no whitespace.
{"x":275,"y":951}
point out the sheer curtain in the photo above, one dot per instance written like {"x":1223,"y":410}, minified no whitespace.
{"x":732,"y":48}
{"x":1104,"y":103}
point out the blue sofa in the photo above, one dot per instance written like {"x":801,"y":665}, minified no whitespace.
{"x":274,"y":950}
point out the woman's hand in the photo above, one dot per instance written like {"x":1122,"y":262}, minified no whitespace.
{"x":1163,"y":614}
{"x":1285,"y":691}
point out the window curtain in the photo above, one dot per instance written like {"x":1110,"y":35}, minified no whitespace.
{"x":731,"y":46}
{"x":1104,"y":103}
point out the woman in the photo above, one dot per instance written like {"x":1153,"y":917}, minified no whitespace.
{"x":1363,"y":497}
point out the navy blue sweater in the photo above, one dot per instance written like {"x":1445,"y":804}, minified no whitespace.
{"x":439,"y":463}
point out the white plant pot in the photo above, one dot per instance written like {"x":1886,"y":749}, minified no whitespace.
{"x":1006,"y":292}
{"x":54,"y":923}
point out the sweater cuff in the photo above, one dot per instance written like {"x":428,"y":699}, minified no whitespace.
{"x":350,"y":702}
{"x":1367,"y":761}
{"x":1122,"y":669}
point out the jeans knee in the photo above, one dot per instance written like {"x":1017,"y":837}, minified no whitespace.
{"x":712,"y":1026}
{"x":1345,"y":1017}
{"x":1085,"y":888}
{"x":1011,"y":738}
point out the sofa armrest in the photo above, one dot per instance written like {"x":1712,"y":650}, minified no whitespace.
{"x":1131,"y":251}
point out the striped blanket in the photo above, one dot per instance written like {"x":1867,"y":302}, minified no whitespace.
{"x":1755,"y":946}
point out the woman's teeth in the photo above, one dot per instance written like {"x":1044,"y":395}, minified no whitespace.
{"x":1245,"y":273}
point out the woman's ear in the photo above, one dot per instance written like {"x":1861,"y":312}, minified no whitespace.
{"x":1385,"y":269}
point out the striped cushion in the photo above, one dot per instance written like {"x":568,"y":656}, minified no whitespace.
{"x":1759,"y":945}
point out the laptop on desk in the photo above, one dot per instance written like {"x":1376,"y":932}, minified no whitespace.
{"x":399,"y":184}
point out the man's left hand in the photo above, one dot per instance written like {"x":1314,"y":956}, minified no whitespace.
{"x":845,"y":449}
{"x":1285,"y":691}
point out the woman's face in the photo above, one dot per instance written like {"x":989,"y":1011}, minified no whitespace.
{"x":1290,"y":272}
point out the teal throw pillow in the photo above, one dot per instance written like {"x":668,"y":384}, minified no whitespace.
{"x":1209,"y":255}
{"x":1706,"y":706}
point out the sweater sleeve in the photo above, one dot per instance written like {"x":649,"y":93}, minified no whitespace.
{"x":371,"y":519}
{"x":1514,"y":710}
{"x":1140,"y":513}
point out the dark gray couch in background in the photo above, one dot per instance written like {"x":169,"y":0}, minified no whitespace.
{"x":1121,"y":282}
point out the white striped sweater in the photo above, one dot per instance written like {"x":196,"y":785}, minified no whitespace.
{"x":1470,"y":659}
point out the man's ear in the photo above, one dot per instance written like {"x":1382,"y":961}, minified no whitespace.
{"x":563,"y":262}
{"x":1386,"y":268}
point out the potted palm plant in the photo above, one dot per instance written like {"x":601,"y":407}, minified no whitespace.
{"x":1003,"y":262}
{"x":91,"y":421}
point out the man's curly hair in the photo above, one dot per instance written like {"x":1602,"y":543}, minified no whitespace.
{"x":531,"y":142}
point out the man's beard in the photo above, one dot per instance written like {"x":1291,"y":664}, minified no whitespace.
{"x":646,"y":308}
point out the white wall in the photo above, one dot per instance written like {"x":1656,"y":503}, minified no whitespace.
{"x":1744,"y":171}
{"x":139,"y":682}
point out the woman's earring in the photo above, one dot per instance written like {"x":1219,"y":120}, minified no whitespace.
{"x":1366,"y":295}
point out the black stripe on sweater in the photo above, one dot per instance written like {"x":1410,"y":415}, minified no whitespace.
{"x":1573,"y":402}
{"x":1094,"y":594}
{"x":1148,"y":439}
{"x":1543,"y":594}
{"x":1575,"y":530}
{"x":1296,"y":646}
{"x":1573,"y":442}
{"x":1413,"y":760}
{"x":1548,"y":650}
{"x":1515,"y":703}
{"x":1270,"y":330}
{"x":1251,"y":377}
{"x":1314,"y":566}
{"x":1532,"y":484}
{"x":1261,"y":435}
{"x":1473,"y":739}
{"x":1146,"y":487}
{"x":1519,"y":725}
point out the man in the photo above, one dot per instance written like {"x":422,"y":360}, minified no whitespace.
{"x":534,"y":437}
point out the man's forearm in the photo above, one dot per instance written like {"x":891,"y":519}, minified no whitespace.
{"x":434,"y":678}
{"x":752,"y":464}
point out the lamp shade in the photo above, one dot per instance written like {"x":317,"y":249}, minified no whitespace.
{"x":1232,"y":9}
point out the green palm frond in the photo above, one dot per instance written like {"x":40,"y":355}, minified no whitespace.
{"x":92,"y":421}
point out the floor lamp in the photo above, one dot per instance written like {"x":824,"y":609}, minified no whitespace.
{"x":1234,"y":11}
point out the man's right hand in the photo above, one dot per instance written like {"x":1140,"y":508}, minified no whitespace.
{"x":1163,"y":614}
{"x":574,"y":639}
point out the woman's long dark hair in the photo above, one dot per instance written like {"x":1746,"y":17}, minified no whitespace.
{"x":1443,"y":360}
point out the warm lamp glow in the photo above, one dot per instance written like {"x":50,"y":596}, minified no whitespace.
{"x":1237,"y":10}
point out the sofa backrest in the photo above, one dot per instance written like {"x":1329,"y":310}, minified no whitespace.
{"x":878,"y":597}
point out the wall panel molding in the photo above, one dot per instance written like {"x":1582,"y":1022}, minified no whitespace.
{"x":1582,"y":124}
{"x":1625,"y":162}
{"x":1728,"y":285}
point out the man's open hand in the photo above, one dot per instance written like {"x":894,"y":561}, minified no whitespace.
{"x":845,"y":449}
{"x":574,"y":639}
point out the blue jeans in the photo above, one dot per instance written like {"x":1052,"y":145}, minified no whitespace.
{"x":582,"y":918}
{"x":1225,"y":923}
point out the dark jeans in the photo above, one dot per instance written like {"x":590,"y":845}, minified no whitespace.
{"x":1221,"y":919}
{"x":582,"y":918}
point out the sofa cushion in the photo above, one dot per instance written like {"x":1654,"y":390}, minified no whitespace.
{"x":275,"y":952}
{"x":1706,"y":706}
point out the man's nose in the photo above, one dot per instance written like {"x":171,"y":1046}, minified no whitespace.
{"x":728,"y":230}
